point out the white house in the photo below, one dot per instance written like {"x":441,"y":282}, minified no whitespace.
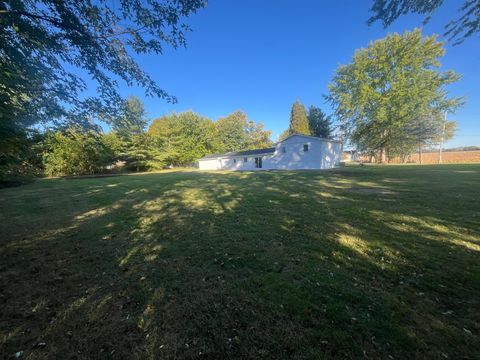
{"x":294,"y":152}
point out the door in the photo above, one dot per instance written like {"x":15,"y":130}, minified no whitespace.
{"x":258,"y":162}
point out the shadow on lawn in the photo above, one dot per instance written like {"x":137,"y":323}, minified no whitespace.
{"x":244,"y":265}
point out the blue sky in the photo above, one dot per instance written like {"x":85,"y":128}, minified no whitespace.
{"x":260,"y":56}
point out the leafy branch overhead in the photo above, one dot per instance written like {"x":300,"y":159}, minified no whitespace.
{"x":43,"y":41}
{"x":466,"y":25}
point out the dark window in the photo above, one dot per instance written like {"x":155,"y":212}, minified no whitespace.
{"x":284,"y":149}
{"x":234,"y":161}
{"x":258,"y":162}
{"x":245,"y":159}
{"x":305,"y":147}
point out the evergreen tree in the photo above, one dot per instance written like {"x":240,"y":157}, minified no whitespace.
{"x":298,"y":120}
{"x":132,"y":120}
{"x":142,"y":153}
{"x":320,"y":124}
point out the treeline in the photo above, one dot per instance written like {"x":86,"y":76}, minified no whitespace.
{"x":463,"y":148}
{"x":171,"y":140}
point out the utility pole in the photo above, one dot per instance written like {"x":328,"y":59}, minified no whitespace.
{"x":442,"y":139}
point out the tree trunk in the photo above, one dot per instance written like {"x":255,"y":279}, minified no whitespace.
{"x":382,"y":155}
{"x":440,"y":157}
{"x":420,"y":154}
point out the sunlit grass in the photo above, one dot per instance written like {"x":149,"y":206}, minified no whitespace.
{"x":358,"y":262}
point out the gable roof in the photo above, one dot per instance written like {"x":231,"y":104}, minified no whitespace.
{"x":240,"y":153}
{"x":262,"y":151}
{"x":308,"y":137}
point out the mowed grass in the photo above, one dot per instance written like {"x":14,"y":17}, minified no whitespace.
{"x":358,"y":262}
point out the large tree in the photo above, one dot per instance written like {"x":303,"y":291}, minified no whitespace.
{"x":75,"y":152}
{"x":389,"y":88}
{"x":237,"y":132}
{"x":132,"y":119}
{"x":185,"y":137}
{"x":49,"y":48}
{"x":298,"y":120}
{"x":320,"y":124}
{"x":466,"y":25}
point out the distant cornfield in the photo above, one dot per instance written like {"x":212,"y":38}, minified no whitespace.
{"x":449,"y":157}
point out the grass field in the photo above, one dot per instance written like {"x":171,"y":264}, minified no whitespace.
{"x":359,"y":262}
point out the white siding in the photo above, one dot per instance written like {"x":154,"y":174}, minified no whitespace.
{"x":321,"y":154}
{"x":209,"y":164}
{"x":229,"y":163}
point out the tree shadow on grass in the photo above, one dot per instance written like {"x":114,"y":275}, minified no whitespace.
{"x":240,"y":265}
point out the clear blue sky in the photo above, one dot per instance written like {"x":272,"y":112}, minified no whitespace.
{"x":260,"y":56}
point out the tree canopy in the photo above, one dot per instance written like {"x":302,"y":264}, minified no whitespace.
{"x":132,"y":119}
{"x":42,"y":40}
{"x":466,"y":25}
{"x":185,"y":137}
{"x":50,"y":48}
{"x":75,"y":152}
{"x":392,"y":94}
{"x":319,"y":123}
{"x":236,"y":132}
{"x":298,"y":120}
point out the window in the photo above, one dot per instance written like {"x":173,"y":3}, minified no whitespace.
{"x":234,"y":161}
{"x":284,"y":149}
{"x":305,"y":147}
{"x":245,"y":159}
{"x":258,"y":162}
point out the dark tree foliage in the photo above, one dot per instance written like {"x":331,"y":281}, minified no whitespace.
{"x":42,"y":40}
{"x":48,"y":48}
{"x":132,"y":119}
{"x":20,"y":157}
{"x":75,"y":152}
{"x":320,"y":124}
{"x":466,"y":25}
{"x":298,"y":120}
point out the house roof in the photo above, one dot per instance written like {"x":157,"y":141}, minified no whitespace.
{"x":308,"y":137}
{"x":240,"y":153}
{"x":261,"y":151}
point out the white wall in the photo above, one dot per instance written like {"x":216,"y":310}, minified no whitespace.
{"x":321,"y":154}
{"x":208,"y":164}
{"x":230,"y":163}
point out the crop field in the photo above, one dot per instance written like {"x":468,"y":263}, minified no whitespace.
{"x":449,"y":157}
{"x":379,"y":262}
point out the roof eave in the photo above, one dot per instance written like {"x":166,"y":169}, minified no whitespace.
{"x":308,"y":136}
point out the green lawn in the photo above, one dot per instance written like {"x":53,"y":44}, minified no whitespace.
{"x":359,"y":262}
